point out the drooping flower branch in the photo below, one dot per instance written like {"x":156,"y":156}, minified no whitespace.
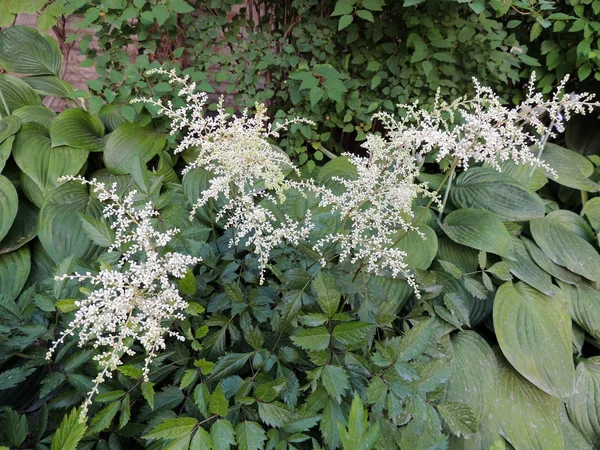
{"x":134,"y":301}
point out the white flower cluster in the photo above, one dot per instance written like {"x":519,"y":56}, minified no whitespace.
{"x":375,"y":206}
{"x":244,"y":165}
{"x":482,"y":129}
{"x":135,"y":301}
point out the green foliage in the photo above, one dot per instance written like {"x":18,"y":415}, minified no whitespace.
{"x":318,"y":356}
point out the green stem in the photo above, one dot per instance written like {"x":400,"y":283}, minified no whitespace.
{"x":542,"y":146}
{"x":450,"y":178}
{"x":584,"y":198}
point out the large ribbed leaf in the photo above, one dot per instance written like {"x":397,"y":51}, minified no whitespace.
{"x":522,"y":174}
{"x":16,"y":93}
{"x":474,"y":378}
{"x":26,"y":51}
{"x":570,"y":168}
{"x":525,"y":269}
{"x":131,"y":141}
{"x":60,"y":230}
{"x":572,"y":437}
{"x":5,"y":149}
{"x":484,"y":188}
{"x":9,"y":205}
{"x":582,"y":134}
{"x":527,"y":417}
{"x":340,"y":167}
{"x":463,"y":257}
{"x":565,"y":247}
{"x":50,"y":85}
{"x":77,"y":128}
{"x":478,"y":229}
{"x":8,"y":126}
{"x":24,"y":227}
{"x":14,"y":270}
{"x":584,"y":404}
{"x":534,"y":333}
{"x":44,"y":164}
{"x":38,"y":114}
{"x":420,"y":247}
{"x":31,"y":190}
{"x":583,"y":303}
{"x":591,"y":210}
{"x":540,"y":258}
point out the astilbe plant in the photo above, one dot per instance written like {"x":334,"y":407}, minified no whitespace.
{"x":134,"y":301}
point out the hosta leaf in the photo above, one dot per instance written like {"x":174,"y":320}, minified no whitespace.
{"x":570,"y":169}
{"x":525,"y":269}
{"x":131,"y":141}
{"x":582,"y":135}
{"x":9,"y":205}
{"x":50,"y":85}
{"x":461,"y":256}
{"x":23,"y":229}
{"x":420,"y":246}
{"x":534,"y":333}
{"x":5,"y":150}
{"x":336,"y":382}
{"x":44,"y":164}
{"x":250,"y":436}
{"x":36,"y":114}
{"x":488,"y":189}
{"x":591,"y":210}
{"x":9,"y":126}
{"x":26,"y":51}
{"x":222,"y":435}
{"x":59,"y":231}
{"x":584,"y":404}
{"x":341,"y":167}
{"x":79,"y":129}
{"x":528,"y":418}
{"x":583,"y":303}
{"x":16,"y":94}
{"x":474,"y":378}
{"x":172,"y":428}
{"x":548,"y":265}
{"x":564,"y":247}
{"x":69,"y":433}
{"x":14,"y":270}
{"x":572,"y":437}
{"x":478,"y":229}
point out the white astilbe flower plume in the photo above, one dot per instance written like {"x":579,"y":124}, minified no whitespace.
{"x":375,"y":206}
{"x":482,"y":130}
{"x":245,"y":167}
{"x":135,"y":301}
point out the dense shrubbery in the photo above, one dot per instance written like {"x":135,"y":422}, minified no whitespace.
{"x":301,"y":326}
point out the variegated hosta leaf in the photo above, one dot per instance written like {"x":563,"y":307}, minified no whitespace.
{"x":534,"y":333}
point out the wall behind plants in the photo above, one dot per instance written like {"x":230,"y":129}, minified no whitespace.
{"x":335,"y":62}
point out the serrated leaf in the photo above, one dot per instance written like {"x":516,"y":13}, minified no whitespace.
{"x":274,"y":414}
{"x":172,"y":428}
{"x":69,"y":433}
{"x":222,"y":435}
{"x":358,"y":435}
{"x":218,"y":404}
{"x":327,"y":293}
{"x":459,"y":418}
{"x":250,"y":436}
{"x":336,"y":382}
{"x":148,"y":393}
{"x":104,"y":418}
{"x":312,"y":339}
{"x":352,"y":334}
{"x":12,"y":377}
{"x":534,"y":333}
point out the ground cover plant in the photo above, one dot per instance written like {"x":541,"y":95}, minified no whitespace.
{"x":200,"y":290}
